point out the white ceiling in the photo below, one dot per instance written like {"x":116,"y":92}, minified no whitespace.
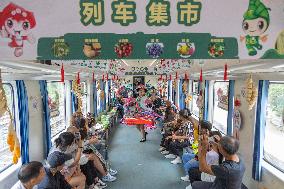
{"x":31,"y":70}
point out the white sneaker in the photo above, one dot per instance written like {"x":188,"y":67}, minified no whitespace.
{"x":93,"y":187}
{"x":100,"y":184}
{"x":165,"y":152}
{"x":108,"y":178}
{"x":176,"y":161}
{"x":188,"y":187}
{"x":170,"y":156}
{"x":112,"y":172}
{"x":185,"y":178}
{"x":161,"y":149}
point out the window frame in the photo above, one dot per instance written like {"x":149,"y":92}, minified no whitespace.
{"x":14,"y":122}
{"x":85,"y":95}
{"x":213,"y":107}
{"x":65,"y":111}
{"x":267,"y":162}
{"x":194,"y":93}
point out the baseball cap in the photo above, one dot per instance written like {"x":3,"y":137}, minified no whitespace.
{"x":57,"y":158}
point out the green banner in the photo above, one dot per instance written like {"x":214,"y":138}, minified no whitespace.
{"x":137,"y":46}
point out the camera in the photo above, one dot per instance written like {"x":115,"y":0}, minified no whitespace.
{"x":77,"y":136}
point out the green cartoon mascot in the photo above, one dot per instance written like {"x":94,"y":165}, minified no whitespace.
{"x":255,"y":23}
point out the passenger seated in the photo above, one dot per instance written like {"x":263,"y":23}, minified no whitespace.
{"x":230,"y":173}
{"x":70,"y":145}
{"x":182,"y":137}
{"x":30,"y":175}
{"x":107,"y":174}
{"x":190,"y":159}
{"x":213,"y":157}
{"x":53,"y":178}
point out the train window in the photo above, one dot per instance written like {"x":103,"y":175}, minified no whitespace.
{"x":274,"y":130}
{"x":98,"y":98}
{"x":84,"y":98}
{"x":6,"y":156}
{"x":56,"y":103}
{"x":195,"y":92}
{"x":220,"y":108}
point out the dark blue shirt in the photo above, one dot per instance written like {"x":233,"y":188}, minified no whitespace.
{"x":229,"y":175}
{"x":56,"y":181}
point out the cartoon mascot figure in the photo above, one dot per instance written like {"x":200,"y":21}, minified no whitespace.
{"x":255,"y":23}
{"x":17,"y":23}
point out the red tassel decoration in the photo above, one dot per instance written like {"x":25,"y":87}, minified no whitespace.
{"x":161,"y":77}
{"x":226,"y":72}
{"x":176,"y":75}
{"x":62,"y":73}
{"x":170,"y":77}
{"x":93,"y":77}
{"x":103,"y":77}
{"x":166,"y":77}
{"x":201,"y":77}
{"x":106,"y":76}
{"x":185,"y":76}
{"x":78,"y":78}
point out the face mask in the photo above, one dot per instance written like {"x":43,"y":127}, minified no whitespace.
{"x":72,"y":148}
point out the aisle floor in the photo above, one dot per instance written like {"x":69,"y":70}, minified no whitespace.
{"x":140,"y":165}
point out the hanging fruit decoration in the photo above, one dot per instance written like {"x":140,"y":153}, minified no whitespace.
{"x":154,"y":50}
{"x":77,"y":89}
{"x":184,"y":87}
{"x":123,"y":49}
{"x":174,"y":84}
{"x":251,"y":92}
{"x":188,"y":99}
{"x":12,"y":139}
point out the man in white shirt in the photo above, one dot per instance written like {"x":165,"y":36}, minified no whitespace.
{"x":30,"y":175}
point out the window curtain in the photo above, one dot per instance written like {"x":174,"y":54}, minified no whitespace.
{"x":95,"y":97}
{"x":102,"y":100}
{"x":46,"y":116}
{"x":73,"y":100}
{"x":109,"y":93}
{"x":263,"y":86}
{"x":24,"y":119}
{"x":230,"y":126}
{"x":206,"y":100}
{"x":181,"y":96}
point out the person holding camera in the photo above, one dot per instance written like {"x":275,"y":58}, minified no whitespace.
{"x":229,"y":173}
{"x":71,"y":145}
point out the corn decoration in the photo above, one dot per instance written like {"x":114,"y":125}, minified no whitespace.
{"x":77,"y":89}
{"x":184,"y":87}
{"x":12,"y":139}
{"x":251,"y":91}
{"x":188,"y":99}
{"x":174,"y":84}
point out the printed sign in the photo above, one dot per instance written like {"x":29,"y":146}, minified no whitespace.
{"x":255,"y":26}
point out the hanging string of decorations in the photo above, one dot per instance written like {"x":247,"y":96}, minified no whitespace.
{"x":12,"y":139}
{"x":77,"y":90}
